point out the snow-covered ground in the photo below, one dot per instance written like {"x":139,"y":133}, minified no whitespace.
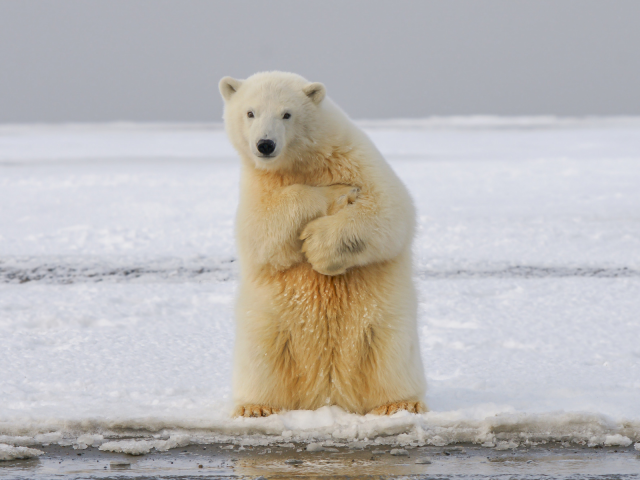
{"x":117,"y":280}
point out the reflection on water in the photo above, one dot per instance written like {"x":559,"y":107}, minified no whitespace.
{"x":220,"y":461}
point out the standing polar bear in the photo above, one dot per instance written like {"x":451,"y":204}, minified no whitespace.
{"x":326,"y":312}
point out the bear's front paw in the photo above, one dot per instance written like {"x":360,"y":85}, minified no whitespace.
{"x":254,"y":411}
{"x":324,"y":247}
{"x":339,"y":196}
{"x":391,"y":408}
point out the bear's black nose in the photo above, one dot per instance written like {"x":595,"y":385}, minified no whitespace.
{"x":266,"y":147}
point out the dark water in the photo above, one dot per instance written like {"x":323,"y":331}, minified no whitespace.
{"x":213,"y":461}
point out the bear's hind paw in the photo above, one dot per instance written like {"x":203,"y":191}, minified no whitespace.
{"x":254,"y":411}
{"x":391,"y":408}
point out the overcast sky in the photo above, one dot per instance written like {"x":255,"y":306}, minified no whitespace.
{"x":160,"y":60}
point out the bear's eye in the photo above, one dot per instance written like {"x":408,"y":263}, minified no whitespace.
{"x":286,"y":116}
{"x":250,"y":114}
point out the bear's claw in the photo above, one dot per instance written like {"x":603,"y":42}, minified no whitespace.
{"x":391,"y":408}
{"x":343,"y":200}
{"x":254,"y":411}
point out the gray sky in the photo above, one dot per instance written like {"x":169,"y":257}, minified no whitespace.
{"x":160,"y":60}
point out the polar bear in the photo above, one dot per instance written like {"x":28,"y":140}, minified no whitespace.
{"x":326,"y":310}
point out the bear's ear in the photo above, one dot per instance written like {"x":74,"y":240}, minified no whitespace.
{"x":228,"y":86}
{"x":315,"y":91}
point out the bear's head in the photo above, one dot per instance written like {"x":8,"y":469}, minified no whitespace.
{"x":273,"y":119}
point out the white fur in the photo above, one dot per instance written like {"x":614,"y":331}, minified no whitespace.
{"x":326,"y":311}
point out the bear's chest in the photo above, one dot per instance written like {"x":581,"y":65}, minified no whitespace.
{"x":323,"y":332}
{"x":316,"y":299}
{"x":325,"y":317}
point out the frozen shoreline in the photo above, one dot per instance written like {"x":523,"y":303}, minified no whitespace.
{"x":331,"y":426}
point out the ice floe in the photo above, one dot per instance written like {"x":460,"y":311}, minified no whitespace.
{"x":10,"y":452}
{"x":118,"y":276}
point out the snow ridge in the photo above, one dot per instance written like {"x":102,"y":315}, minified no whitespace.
{"x":487,"y":425}
{"x":67,"y":270}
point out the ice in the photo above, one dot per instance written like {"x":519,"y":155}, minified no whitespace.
{"x":140,"y":447}
{"x":118,"y":276}
{"x":88,"y":440}
{"x":132,"y":447}
{"x":617,"y":440}
{"x":9,"y":452}
{"x":115,"y":142}
{"x":510,"y":445}
{"x":315,"y":447}
{"x":398,"y":452}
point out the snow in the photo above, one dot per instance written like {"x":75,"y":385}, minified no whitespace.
{"x":399,"y":452}
{"x":140,"y":447}
{"x":315,"y":447}
{"x":617,"y":440}
{"x":118,"y":275}
{"x":9,"y":452}
{"x":87,"y":440}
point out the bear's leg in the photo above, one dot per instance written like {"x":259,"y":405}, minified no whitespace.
{"x":391,"y":408}
{"x":263,"y":370}
{"x":254,"y":411}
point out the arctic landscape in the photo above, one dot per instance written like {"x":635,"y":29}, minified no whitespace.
{"x":118,"y":273}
